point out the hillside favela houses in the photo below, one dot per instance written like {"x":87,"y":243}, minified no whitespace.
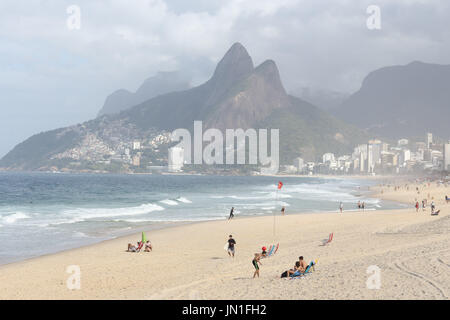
{"x":374,"y":157}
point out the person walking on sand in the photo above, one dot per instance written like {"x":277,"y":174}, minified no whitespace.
{"x":359,"y":205}
{"x":231,"y":244}
{"x":231,"y":213}
{"x":417,"y":206}
{"x":256,"y":262}
{"x":341,"y":207}
{"x":283,"y":209}
{"x":363,"y":205}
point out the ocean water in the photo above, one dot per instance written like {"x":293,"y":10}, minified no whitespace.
{"x":43,"y":213}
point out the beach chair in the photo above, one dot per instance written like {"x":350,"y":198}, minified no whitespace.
{"x":272,"y":250}
{"x":308,"y":269}
{"x":327,"y":241}
{"x":139,"y":248}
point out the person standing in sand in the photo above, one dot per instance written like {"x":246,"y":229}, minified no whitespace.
{"x":341,"y":207}
{"x":283,"y":209}
{"x":231,"y":243}
{"x":231,"y":213}
{"x":417,"y":206}
{"x":256,"y":262}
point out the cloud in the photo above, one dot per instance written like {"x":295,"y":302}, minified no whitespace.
{"x":62,"y":76}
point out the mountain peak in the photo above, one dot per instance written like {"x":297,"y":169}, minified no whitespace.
{"x":269,"y":70}
{"x":235,"y":64}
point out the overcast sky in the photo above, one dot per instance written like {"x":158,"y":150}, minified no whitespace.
{"x":53,"y":76}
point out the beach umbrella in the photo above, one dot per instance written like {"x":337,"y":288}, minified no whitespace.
{"x":144,"y":238}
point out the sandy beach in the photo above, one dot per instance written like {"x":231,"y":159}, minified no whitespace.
{"x":189,"y":262}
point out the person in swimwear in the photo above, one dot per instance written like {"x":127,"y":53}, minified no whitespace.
{"x":256,"y":264}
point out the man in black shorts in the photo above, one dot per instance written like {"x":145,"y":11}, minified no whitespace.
{"x":231,"y":244}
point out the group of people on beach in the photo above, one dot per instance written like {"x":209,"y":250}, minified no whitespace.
{"x":138,"y":247}
{"x":361,"y":206}
{"x":299,"y":266}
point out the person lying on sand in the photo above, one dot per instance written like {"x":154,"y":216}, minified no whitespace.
{"x":131,"y":248}
{"x":148,"y":246}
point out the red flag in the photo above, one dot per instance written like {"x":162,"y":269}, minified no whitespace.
{"x":280,"y":184}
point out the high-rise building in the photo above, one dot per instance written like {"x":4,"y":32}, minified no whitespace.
{"x":429,"y":140}
{"x":328,"y":157}
{"x":370,"y":163}
{"x":176,"y":159}
{"x":136,"y":145}
{"x":299,"y":163}
{"x":361,"y":162}
{"x":446,"y":156}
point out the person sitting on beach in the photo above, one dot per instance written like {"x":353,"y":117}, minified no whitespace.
{"x":148,"y":246}
{"x":131,"y":248}
{"x":292,"y":271}
{"x":302,"y":264}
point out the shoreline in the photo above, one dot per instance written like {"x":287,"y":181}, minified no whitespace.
{"x":188,"y":261}
{"x":172,"y":224}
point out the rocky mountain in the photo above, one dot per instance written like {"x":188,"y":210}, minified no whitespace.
{"x":402,"y":101}
{"x":161,"y":83}
{"x":238,"y":95}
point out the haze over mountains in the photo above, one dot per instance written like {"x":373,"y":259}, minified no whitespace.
{"x":238,"y":95}
{"x":161,"y":83}
{"x":397,"y":101}
{"x":402,"y":101}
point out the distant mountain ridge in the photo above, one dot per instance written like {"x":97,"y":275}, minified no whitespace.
{"x":238,"y":95}
{"x":402,"y":101}
{"x":161,"y":83}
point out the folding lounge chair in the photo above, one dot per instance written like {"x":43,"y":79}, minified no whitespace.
{"x":139,"y":248}
{"x":307,"y":270}
{"x":330,"y":238}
